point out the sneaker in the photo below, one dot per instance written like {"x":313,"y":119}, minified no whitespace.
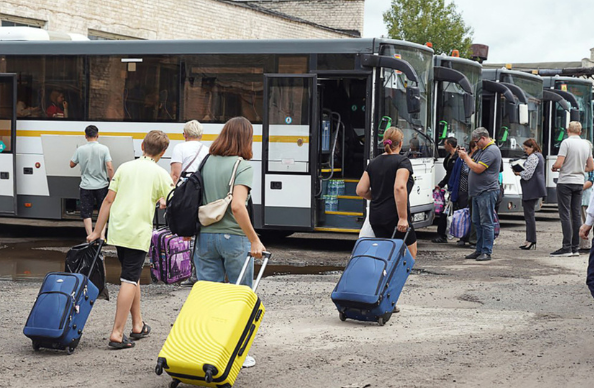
{"x":249,"y":362}
{"x":484,"y":257}
{"x":188,"y":283}
{"x":575,"y":253}
{"x":563,"y":252}
{"x":439,"y":240}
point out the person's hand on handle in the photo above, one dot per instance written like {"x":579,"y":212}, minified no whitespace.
{"x":402,"y":225}
{"x":585,"y":231}
{"x":93,"y":236}
{"x":256,"y":249}
{"x":65,"y":104}
{"x":162,"y":203}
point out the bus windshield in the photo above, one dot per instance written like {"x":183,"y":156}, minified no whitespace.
{"x":510,"y":136}
{"x":451,"y":114}
{"x":583,"y":94}
{"x":416,"y":141}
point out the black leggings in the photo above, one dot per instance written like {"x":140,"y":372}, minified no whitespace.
{"x":386,"y":231}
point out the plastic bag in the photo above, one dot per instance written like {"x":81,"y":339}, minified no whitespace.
{"x":366,"y":230}
{"x":439,"y":200}
{"x":79,"y":259}
{"x":460,"y":226}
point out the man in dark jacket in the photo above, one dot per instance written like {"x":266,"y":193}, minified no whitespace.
{"x":449,"y":145}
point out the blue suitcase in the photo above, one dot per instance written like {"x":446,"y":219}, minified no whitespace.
{"x":373,"y":280}
{"x":61,"y":309}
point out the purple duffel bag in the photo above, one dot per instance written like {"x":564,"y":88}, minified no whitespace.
{"x":171,"y":257}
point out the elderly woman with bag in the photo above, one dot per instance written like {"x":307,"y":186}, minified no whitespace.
{"x":533,"y":188}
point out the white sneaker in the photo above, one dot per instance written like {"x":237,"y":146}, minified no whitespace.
{"x":249,"y":362}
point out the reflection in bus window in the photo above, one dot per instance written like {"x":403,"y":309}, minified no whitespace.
{"x":413,"y":125}
{"x":134,"y":89}
{"x":219,"y":87}
{"x":36,"y":80}
{"x":6,"y":112}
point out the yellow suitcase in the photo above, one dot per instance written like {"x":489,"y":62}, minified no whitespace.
{"x":213,"y":333}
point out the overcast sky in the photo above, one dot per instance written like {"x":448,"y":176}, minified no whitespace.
{"x":516,"y":30}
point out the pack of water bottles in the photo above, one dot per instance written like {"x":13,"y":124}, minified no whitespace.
{"x":335,"y":187}
{"x":331,"y":202}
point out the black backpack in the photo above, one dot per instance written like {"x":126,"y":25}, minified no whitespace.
{"x":183,"y":203}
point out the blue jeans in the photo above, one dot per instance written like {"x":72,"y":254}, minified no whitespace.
{"x":219,"y":254}
{"x":483,"y":208}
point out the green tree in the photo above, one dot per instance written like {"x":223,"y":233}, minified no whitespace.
{"x":422,"y":21}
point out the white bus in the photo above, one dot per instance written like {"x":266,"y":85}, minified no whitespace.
{"x":512,"y":112}
{"x":569,"y":99}
{"x":457,"y":103}
{"x":319,"y":108}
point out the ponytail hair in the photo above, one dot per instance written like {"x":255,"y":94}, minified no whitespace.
{"x":392,"y":139}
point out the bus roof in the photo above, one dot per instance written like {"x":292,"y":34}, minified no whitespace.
{"x":494,"y":74}
{"x":173,"y":47}
{"x":438,"y":59}
{"x":550,"y":81}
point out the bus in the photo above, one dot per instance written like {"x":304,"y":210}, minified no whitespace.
{"x":570,"y":100}
{"x":319,"y":109}
{"x":457,"y":103}
{"x":512,"y":113}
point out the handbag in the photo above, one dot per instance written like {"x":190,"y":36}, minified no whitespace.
{"x":439,"y":200}
{"x":460,"y":223}
{"x":213,"y":212}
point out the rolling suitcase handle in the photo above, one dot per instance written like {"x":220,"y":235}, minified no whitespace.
{"x":265,"y":257}
{"x":403,"y":239}
{"x":100,"y":243}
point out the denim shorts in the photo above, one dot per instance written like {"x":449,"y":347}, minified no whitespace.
{"x":220,"y":255}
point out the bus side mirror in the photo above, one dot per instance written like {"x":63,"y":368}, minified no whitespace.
{"x":523,"y":113}
{"x":413,"y":99}
{"x":574,"y":115}
{"x":511,"y":109}
{"x":469,"y":105}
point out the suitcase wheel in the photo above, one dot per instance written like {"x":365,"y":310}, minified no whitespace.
{"x":70,"y":350}
{"x":174,"y":384}
{"x":342,"y":316}
{"x":159,"y":370}
{"x":381,"y":321}
{"x":36,"y":346}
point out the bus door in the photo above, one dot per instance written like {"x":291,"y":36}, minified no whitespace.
{"x":288,"y":151}
{"x":7,"y":144}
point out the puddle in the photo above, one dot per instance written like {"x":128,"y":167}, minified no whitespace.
{"x":32,"y":264}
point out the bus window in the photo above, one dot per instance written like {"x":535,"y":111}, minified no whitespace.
{"x":142,"y":88}
{"x":333,"y":62}
{"x":48,"y":87}
{"x":6,"y":109}
{"x":219,"y":87}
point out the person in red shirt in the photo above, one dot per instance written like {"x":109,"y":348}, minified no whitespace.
{"x":58,"y":107}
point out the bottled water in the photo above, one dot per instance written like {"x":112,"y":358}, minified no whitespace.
{"x":340,"y":187}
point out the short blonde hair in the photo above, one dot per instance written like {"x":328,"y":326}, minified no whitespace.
{"x":155,"y":142}
{"x":575,"y":127}
{"x":193,"y":129}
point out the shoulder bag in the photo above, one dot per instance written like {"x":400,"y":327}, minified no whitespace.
{"x":214,"y":211}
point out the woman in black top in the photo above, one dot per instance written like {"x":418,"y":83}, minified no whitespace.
{"x":387,"y":182}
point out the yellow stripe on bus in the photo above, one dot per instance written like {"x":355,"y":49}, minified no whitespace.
{"x":339,"y":230}
{"x":141,"y":135}
{"x":345,"y":213}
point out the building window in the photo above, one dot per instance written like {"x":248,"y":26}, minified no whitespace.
{"x":16,"y":21}
{"x":101,"y":35}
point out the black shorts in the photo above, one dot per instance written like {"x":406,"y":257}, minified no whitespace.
{"x":386,"y":231}
{"x":132,"y":262}
{"x":88,"y":198}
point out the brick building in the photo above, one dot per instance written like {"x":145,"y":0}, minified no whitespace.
{"x":185,"y":19}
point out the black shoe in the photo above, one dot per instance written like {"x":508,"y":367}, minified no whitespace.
{"x":532,"y":245}
{"x":440,"y":240}
{"x":472,"y":246}
{"x":484,"y":257}
{"x":460,"y":243}
{"x":473,"y":256}
{"x":563,"y":252}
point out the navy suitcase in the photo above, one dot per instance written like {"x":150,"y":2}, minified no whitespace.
{"x":373,"y":280}
{"x":61,"y":309}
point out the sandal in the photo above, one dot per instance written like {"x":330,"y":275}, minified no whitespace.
{"x":125,"y":344}
{"x":146,"y":330}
